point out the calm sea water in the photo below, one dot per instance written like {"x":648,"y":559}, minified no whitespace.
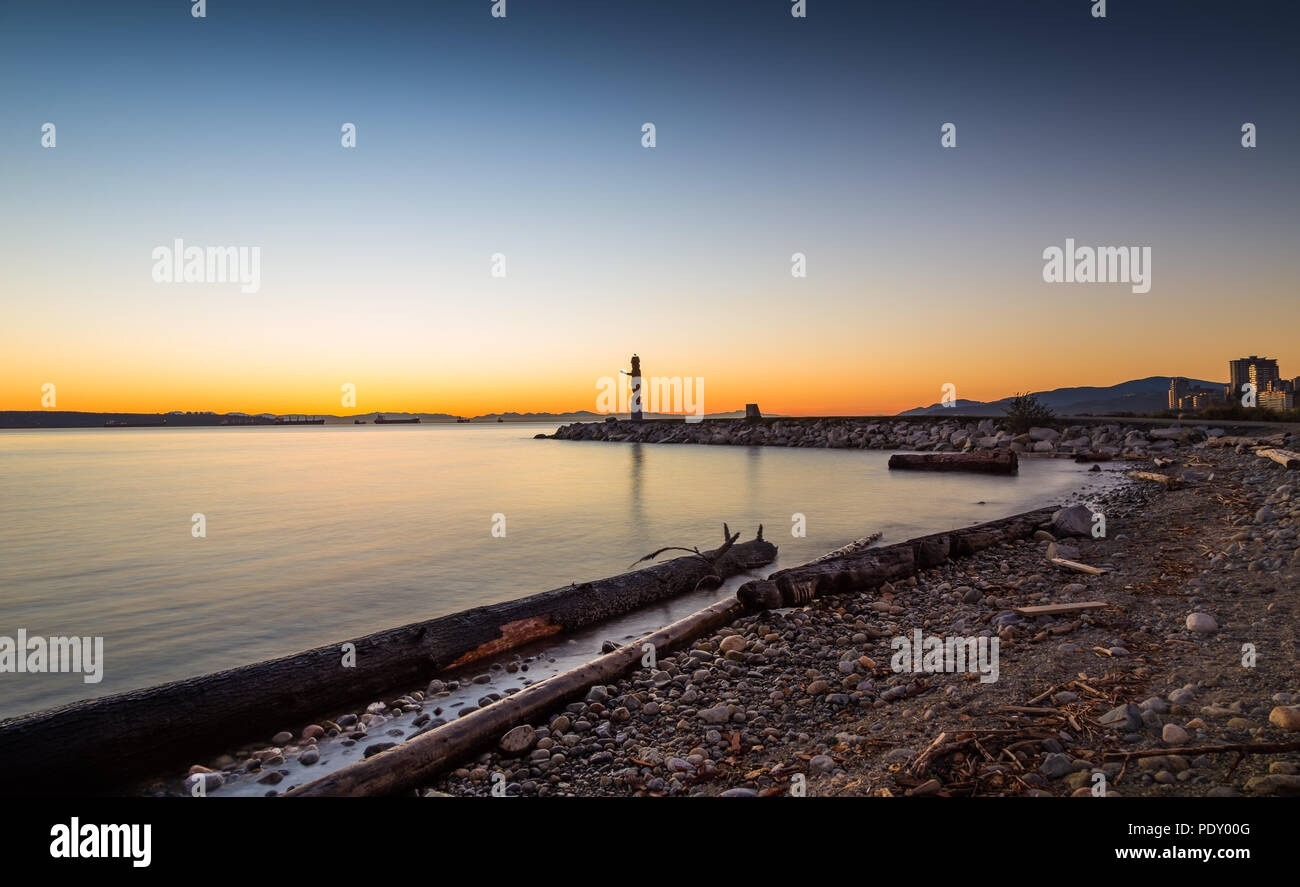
{"x":318,"y":534}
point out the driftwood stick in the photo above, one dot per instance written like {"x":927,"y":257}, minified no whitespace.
{"x":1249,"y":748}
{"x":1169,"y":483}
{"x":1077,"y":567}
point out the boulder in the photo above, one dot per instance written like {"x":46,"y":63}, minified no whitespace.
{"x":1076,"y":520}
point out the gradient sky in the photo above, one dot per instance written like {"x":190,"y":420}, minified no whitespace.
{"x":523,"y":136}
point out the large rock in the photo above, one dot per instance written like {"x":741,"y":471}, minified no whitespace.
{"x":1076,"y":520}
{"x":518,"y":740}
{"x":1048,"y":434}
{"x":1203,"y":623}
{"x":1127,"y":717}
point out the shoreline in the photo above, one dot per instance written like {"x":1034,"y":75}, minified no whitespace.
{"x":260,"y":762}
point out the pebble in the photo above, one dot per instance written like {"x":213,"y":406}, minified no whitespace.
{"x":1285,"y":716}
{"x":518,"y":740}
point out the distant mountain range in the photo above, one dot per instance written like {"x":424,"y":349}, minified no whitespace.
{"x":179,"y":419}
{"x":1149,"y":395}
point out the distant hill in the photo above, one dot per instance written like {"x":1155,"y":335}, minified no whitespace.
{"x":179,"y":419}
{"x":1147,"y":395}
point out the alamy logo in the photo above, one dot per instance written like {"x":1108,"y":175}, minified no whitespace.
{"x":90,"y":841}
{"x":215,"y":264}
{"x":666,"y":394}
{"x":1103,"y":264}
{"x":37,"y":655}
{"x":931,"y":655}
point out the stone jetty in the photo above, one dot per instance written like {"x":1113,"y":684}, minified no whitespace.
{"x":1074,"y":437}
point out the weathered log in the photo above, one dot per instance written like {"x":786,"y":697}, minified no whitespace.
{"x":992,"y":462}
{"x":419,"y":759}
{"x":872,"y":567}
{"x":1093,"y":457}
{"x":105,"y":743}
{"x":1285,"y":458}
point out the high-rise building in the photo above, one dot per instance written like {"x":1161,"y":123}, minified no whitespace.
{"x":1178,"y":389}
{"x":1257,"y":370}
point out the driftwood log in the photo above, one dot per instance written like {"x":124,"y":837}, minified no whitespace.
{"x":875,"y":566}
{"x":416,"y":761}
{"x":993,"y":462}
{"x":1285,"y":458}
{"x":105,"y":743}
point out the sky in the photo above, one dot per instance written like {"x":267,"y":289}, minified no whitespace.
{"x":522,"y":136}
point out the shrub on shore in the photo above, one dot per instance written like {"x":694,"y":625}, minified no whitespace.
{"x":1025,"y":411}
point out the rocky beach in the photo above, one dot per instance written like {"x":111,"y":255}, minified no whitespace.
{"x":1181,"y":642}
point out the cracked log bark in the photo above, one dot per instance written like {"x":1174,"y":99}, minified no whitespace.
{"x":106,"y":743}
